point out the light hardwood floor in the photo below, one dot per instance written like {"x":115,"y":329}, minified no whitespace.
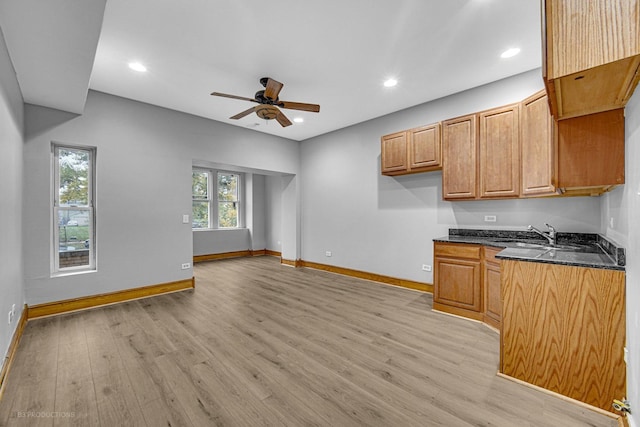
{"x":257,"y":343}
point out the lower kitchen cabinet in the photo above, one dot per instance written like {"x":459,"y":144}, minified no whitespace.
{"x":467,"y":281}
{"x":563,"y":329}
{"x":458,"y":279}
{"x":492,"y":294}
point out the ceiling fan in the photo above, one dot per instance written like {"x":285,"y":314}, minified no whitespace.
{"x":269,"y":103}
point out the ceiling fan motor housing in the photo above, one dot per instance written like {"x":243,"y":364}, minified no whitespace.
{"x":264,"y":100}
{"x":267,"y":112}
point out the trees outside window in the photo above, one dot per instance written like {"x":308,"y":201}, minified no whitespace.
{"x":207,"y":214}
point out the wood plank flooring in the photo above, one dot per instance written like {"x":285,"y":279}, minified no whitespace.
{"x":261,"y":344}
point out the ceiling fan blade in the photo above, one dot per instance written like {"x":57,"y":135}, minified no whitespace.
{"x":282,"y":119}
{"x":242,"y":98}
{"x":314,"y":108}
{"x":272,"y":89}
{"x":244,"y":113}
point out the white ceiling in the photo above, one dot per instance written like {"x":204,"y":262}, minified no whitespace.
{"x":335,"y":53}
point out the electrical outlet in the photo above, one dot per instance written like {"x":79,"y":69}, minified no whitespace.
{"x":186,"y":265}
{"x":327,"y":253}
{"x":185,"y":219}
{"x":490,"y":218}
{"x":426,"y":267}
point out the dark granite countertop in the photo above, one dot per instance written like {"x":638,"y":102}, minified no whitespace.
{"x":578,"y":249}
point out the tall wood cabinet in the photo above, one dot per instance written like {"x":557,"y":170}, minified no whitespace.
{"x":591,"y":54}
{"x":411,"y":151}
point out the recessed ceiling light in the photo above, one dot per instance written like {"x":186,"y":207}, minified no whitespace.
{"x":390,"y":82}
{"x":510,"y":52}
{"x":136,"y":66}
{"x":298,"y":120}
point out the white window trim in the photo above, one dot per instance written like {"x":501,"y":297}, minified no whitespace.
{"x":91,"y":209}
{"x":207,"y":200}
{"x":212,"y":192}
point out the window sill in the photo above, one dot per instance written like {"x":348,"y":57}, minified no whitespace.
{"x":218,"y":229}
{"x":65,"y":273}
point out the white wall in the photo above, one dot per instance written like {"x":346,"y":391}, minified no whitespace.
{"x":11,"y":190}
{"x":623,"y":205}
{"x":386,"y":225}
{"x":144,"y":160}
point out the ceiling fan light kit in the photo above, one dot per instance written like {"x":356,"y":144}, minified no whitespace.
{"x":269,"y":103}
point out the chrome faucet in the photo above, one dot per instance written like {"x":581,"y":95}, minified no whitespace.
{"x":550,"y":235}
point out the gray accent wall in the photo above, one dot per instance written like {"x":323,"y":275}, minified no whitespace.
{"x":385,"y":225}
{"x":144,"y":161}
{"x":11,"y":196}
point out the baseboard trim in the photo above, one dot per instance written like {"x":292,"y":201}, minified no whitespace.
{"x":225,"y":255}
{"x":601,"y":411}
{"x":291,"y":262}
{"x":83,"y":303}
{"x":410,"y":284}
{"x":13,"y":348}
{"x":235,"y":254}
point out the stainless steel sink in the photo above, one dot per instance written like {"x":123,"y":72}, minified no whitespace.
{"x":544,"y":246}
{"x":563,"y":247}
{"x":529,"y":245}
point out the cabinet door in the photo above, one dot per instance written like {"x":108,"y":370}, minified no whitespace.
{"x":492,"y":297}
{"x":459,"y":154}
{"x":499,"y":153}
{"x":457,"y":283}
{"x":424,"y":147}
{"x":591,"y":150}
{"x":537,"y":147}
{"x":394,"y":153}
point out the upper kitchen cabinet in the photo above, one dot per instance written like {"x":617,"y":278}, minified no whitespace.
{"x":591,"y":153}
{"x":481,"y":155}
{"x":591,"y":54}
{"x":537,"y":147}
{"x":393,"y":154}
{"x":412,"y":151}
{"x":499,"y":153}
{"x":459,"y":158}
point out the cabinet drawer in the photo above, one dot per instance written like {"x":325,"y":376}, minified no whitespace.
{"x":457,"y":250}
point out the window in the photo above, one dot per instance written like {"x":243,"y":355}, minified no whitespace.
{"x":223,"y":211}
{"x":73,"y":209}
{"x":201,"y":201}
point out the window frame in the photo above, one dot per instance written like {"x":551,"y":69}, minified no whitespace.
{"x":214,"y":201}
{"x":90,"y":208}
{"x":206,"y":200}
